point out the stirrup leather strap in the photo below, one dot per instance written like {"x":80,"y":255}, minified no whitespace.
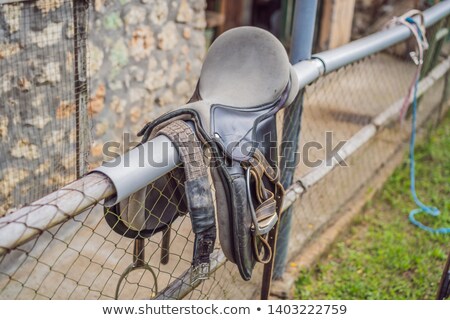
{"x":266,"y":214}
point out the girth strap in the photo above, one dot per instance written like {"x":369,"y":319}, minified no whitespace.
{"x":198,"y":194}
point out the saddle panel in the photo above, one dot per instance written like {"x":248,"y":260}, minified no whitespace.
{"x":151,"y":209}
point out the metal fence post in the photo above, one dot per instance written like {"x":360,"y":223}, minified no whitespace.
{"x":80,"y":21}
{"x":301,"y":49}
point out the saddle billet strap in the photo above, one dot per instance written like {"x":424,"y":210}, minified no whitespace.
{"x":198,"y":195}
{"x":268,"y":267}
{"x":272,"y":242}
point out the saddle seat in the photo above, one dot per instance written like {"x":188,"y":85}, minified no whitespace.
{"x":244,"y":67}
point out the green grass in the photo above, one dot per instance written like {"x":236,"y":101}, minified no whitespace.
{"x":384,"y":256}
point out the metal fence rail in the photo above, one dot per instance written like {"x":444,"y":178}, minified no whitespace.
{"x":43,"y":243}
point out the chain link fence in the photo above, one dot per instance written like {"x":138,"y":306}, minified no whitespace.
{"x":358,"y":106}
{"x":61,"y":247}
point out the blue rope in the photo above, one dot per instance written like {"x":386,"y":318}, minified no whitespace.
{"x":433,"y":211}
{"x":413,"y":22}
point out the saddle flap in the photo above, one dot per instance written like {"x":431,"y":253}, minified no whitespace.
{"x":239,"y":132}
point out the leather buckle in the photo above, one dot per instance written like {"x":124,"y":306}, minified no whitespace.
{"x":200,"y":272}
{"x":257,"y":227}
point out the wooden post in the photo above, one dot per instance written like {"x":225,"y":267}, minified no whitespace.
{"x":336,"y":23}
{"x":80,"y":83}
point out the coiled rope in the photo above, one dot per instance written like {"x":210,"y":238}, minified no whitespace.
{"x":418,"y":31}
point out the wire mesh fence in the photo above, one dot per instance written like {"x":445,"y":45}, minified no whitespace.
{"x":62,"y":253}
{"x":41,"y":119}
{"x":360,"y":105}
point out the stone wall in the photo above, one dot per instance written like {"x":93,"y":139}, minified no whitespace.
{"x":372,"y":15}
{"x":37,"y":100}
{"x":144,"y":57}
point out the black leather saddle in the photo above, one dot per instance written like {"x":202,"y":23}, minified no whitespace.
{"x":245,"y":80}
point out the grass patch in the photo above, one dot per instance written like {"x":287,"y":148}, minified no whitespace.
{"x":384,"y":256}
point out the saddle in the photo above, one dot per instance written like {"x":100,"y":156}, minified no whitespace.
{"x":226,"y":137}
